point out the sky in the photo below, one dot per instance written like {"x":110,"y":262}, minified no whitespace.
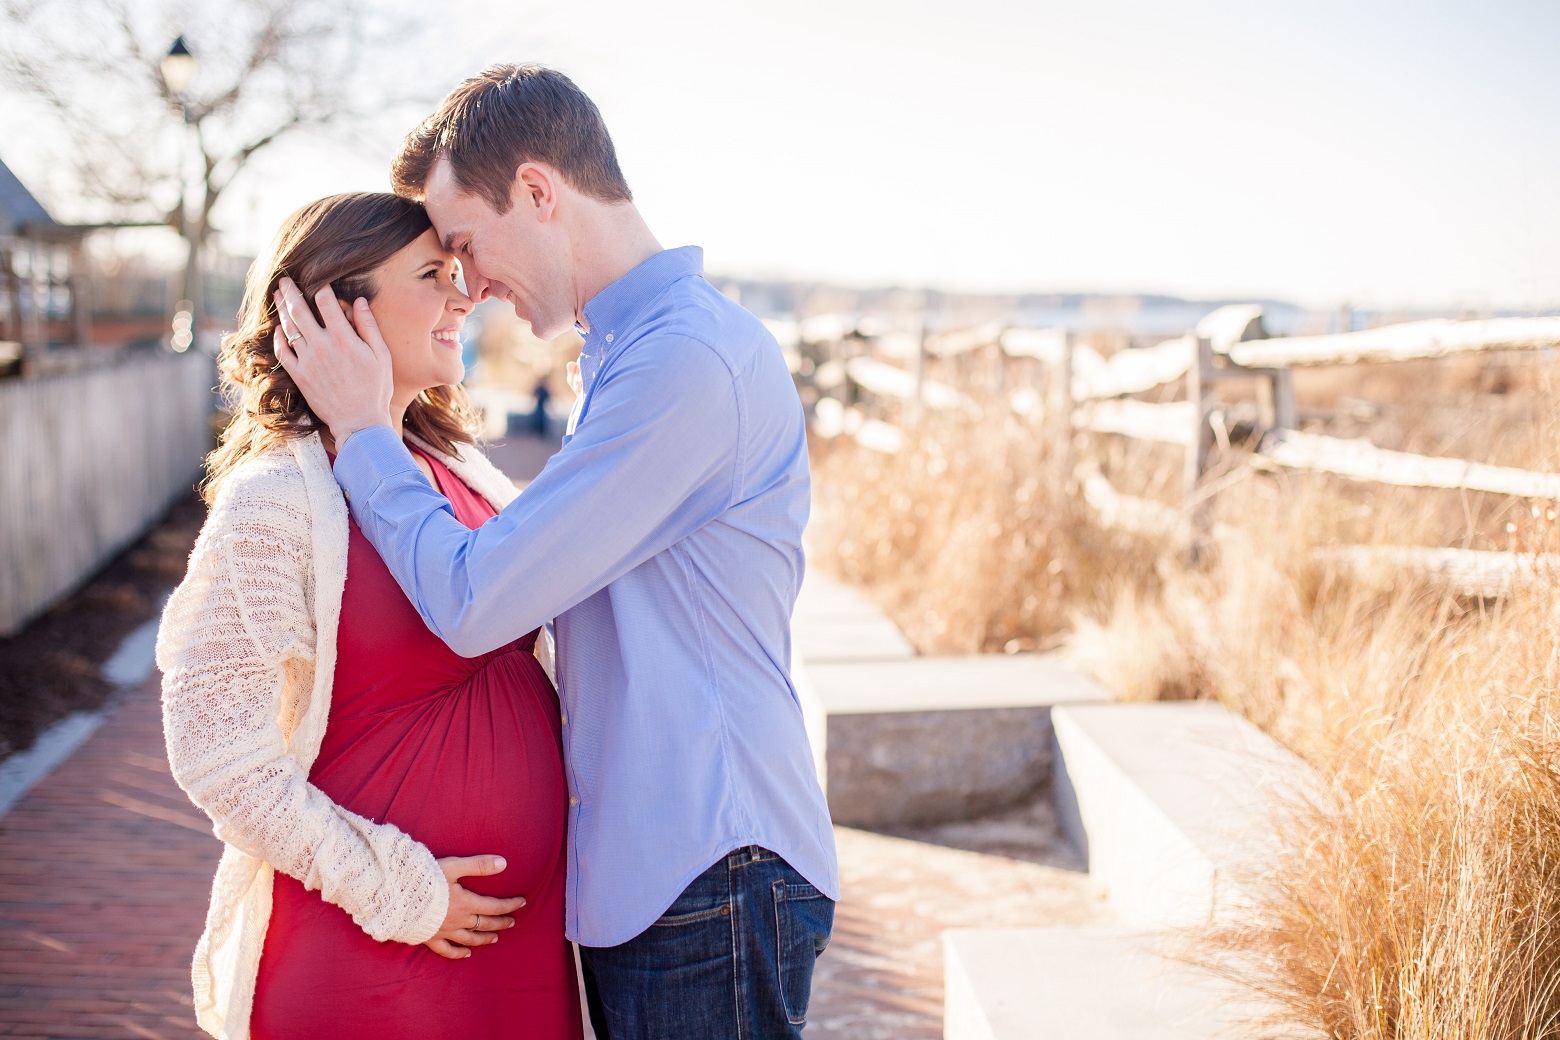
{"x":1372,"y":152}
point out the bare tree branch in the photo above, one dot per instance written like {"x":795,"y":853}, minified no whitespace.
{"x":268,"y":69}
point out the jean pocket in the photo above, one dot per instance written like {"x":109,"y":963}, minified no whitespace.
{"x":804,"y":918}
{"x":679,"y":914}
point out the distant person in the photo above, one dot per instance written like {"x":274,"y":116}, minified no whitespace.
{"x":665,"y":538}
{"x":539,"y":413}
{"x":388,"y":805}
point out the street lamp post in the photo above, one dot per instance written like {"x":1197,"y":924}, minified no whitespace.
{"x":178,"y":68}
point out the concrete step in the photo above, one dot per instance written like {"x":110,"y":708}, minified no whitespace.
{"x":1081,"y":984}
{"x":906,"y":740}
{"x":936,"y":739}
{"x":835,"y":622}
{"x":1169,"y":801}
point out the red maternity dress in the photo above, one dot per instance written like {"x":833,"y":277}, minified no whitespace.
{"x":464,"y":754}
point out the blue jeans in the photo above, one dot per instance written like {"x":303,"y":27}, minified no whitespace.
{"x":731,"y":959}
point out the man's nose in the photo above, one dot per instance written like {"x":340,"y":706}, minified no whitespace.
{"x":476,"y":287}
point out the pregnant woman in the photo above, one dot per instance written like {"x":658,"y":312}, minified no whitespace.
{"x":393,"y":812}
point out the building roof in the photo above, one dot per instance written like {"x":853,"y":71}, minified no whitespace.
{"x":21,"y":213}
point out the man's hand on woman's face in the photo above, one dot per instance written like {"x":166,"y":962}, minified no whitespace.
{"x":471,"y":920}
{"x":343,"y":372}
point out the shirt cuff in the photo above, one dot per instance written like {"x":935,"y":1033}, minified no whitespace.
{"x":369,"y":458}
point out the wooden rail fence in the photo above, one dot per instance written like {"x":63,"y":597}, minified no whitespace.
{"x":1086,"y":391}
{"x":88,"y":459}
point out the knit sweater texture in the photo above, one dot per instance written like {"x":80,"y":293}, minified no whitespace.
{"x":247,"y":648}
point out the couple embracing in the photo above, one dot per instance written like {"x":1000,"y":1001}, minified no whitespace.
{"x":416,"y":822}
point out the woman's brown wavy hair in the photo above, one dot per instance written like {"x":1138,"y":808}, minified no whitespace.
{"x":338,"y":241}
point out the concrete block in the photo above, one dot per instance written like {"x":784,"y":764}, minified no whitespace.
{"x":834,"y":622}
{"x":1169,"y":801}
{"x":813,"y":717}
{"x":1081,"y":984}
{"x":931,"y":740}
{"x":929,"y":684}
{"x":917,"y":768}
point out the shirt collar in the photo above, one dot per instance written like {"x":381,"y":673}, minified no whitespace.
{"x":612,"y":311}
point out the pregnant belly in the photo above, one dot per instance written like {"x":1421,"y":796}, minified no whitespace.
{"x":473,"y":770}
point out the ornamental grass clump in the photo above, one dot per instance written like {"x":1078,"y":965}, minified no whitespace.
{"x":1418,"y":896}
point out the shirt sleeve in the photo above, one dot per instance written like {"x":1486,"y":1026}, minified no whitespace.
{"x":656,"y":458}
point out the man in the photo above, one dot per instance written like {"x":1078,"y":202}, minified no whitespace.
{"x":664,"y":538}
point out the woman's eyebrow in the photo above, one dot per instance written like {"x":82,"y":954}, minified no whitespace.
{"x":433,"y":262}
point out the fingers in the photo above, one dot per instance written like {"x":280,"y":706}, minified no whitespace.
{"x":445,"y":948}
{"x":284,"y":323}
{"x":492,"y":923}
{"x":284,"y":351}
{"x":293,"y":311}
{"x":472,"y":937}
{"x":330,"y":309}
{"x":368,"y":329}
{"x":471,"y":866}
{"x":489,"y":906}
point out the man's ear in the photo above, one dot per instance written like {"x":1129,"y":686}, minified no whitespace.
{"x":535,"y":187}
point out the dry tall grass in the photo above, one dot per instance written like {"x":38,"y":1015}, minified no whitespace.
{"x":967,"y":538}
{"x":1419,"y":899}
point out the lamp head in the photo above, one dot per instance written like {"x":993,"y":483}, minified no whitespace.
{"x":178,"y":67}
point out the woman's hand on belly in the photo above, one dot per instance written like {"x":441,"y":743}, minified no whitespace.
{"x":472,"y":919}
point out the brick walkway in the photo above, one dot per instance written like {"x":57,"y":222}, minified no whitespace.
{"x":105,"y":870}
{"x":882,"y":976}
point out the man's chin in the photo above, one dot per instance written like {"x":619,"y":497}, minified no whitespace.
{"x":548,"y":328}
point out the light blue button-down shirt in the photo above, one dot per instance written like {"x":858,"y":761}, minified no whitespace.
{"x":665,"y":539}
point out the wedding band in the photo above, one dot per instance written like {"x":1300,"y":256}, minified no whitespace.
{"x":476,"y":923}
{"x":293,"y":340}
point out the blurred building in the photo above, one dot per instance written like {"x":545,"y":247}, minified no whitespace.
{"x":41,"y":297}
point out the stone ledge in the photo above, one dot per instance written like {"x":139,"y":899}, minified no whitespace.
{"x":834,"y":622}
{"x":932,"y":684}
{"x":935,"y":739}
{"x":1081,"y":984}
{"x":1168,"y":801}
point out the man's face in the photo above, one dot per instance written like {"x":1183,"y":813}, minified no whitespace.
{"x":518,"y":256}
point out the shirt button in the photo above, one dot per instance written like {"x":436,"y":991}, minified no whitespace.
{"x":609,"y":337}
{"x":573,"y":801}
{"x":565,"y":717}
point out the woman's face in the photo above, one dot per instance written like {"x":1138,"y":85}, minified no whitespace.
{"x":420,"y":310}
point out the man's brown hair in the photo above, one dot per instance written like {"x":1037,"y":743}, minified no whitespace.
{"x":502,"y":117}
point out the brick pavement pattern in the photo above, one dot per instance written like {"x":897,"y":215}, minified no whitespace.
{"x":882,"y":976}
{"x":105,"y":871}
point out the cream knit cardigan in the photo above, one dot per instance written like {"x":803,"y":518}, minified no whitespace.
{"x":247,"y":650}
